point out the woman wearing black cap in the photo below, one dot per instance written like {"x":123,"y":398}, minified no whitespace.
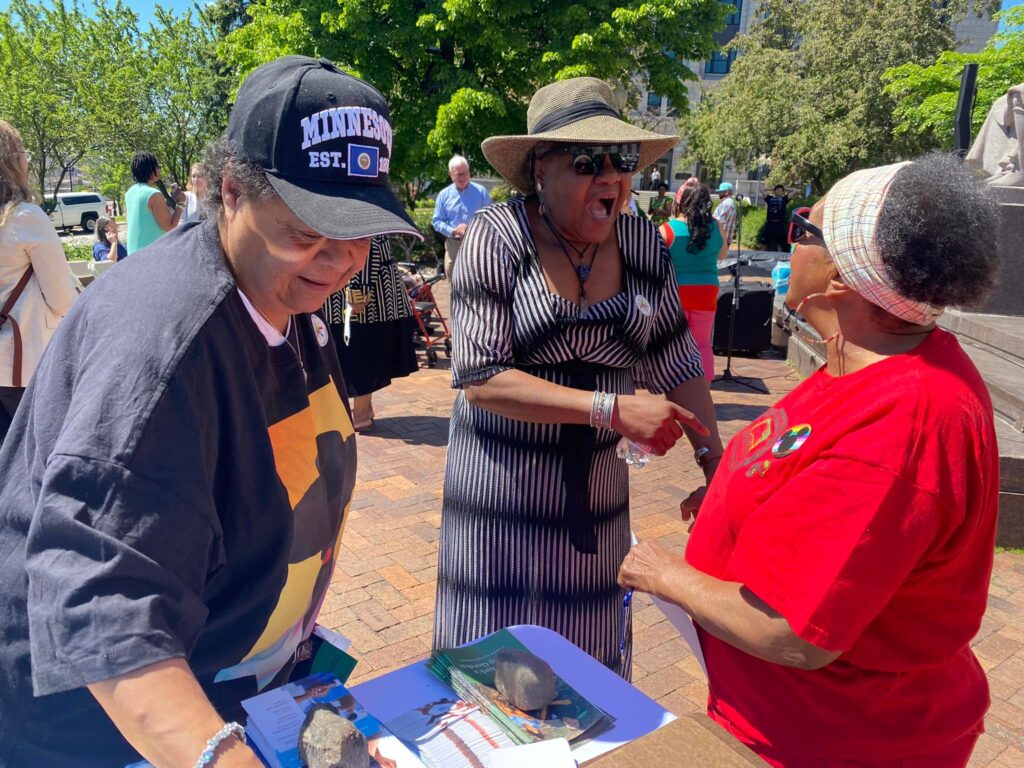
{"x":562,"y":309}
{"x":170,"y":520}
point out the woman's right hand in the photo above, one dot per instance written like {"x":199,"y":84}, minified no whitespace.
{"x":653,"y":422}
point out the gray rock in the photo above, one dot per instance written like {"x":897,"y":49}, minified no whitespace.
{"x":524,"y":680}
{"x":328,"y":740}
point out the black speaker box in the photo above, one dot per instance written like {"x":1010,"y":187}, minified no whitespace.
{"x":753,"y":319}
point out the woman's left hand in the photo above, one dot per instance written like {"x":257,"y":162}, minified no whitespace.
{"x":645,"y":565}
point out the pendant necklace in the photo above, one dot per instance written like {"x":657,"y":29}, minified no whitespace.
{"x":582,"y":270}
{"x":296,"y":347}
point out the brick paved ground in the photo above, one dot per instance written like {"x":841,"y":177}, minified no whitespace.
{"x":382,"y":596}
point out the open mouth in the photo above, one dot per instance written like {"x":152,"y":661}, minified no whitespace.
{"x":601,"y":207}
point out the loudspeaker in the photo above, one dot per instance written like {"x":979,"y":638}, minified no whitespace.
{"x":753,"y":319}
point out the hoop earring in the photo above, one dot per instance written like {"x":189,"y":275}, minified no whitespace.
{"x":805,"y":337}
{"x":807,"y":298}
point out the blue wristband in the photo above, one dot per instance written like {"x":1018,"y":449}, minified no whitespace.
{"x":229,"y":729}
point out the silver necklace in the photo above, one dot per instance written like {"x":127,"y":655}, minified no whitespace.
{"x":296,"y":347}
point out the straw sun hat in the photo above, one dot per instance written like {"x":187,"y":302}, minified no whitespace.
{"x":577,"y":111}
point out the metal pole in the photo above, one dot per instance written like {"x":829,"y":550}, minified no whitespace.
{"x":964,"y":109}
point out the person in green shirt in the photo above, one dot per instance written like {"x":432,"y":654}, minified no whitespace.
{"x":148,"y":215}
{"x":660,"y":207}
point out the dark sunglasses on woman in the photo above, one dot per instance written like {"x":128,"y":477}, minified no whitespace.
{"x":799,"y":224}
{"x":589,"y":160}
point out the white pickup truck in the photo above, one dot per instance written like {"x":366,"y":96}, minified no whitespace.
{"x":76,"y":209}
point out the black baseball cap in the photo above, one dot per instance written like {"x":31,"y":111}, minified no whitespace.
{"x":324,"y":139}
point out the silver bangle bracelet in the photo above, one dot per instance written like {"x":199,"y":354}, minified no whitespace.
{"x":601,"y":409}
{"x":608,"y":410}
{"x":595,"y":409}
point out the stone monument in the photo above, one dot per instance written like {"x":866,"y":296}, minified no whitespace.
{"x":998,"y":151}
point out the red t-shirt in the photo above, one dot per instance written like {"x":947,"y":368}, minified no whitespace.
{"x":863,"y":509}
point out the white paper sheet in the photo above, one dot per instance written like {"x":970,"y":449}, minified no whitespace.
{"x":681,"y":620}
{"x":336,"y":639}
{"x":544,"y":754}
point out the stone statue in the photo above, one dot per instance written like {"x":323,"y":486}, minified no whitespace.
{"x":998,"y":149}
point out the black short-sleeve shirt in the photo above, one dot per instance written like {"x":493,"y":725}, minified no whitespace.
{"x":172,"y":486}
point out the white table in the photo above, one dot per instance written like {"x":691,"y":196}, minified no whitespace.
{"x":392,"y":695}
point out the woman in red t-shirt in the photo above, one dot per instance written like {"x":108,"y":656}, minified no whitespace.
{"x":840,"y":564}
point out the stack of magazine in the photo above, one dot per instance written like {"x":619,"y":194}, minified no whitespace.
{"x":469,"y":671}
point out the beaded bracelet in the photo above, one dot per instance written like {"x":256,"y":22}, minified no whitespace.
{"x":206,"y":758}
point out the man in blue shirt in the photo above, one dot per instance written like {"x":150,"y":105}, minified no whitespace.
{"x":455,"y":206}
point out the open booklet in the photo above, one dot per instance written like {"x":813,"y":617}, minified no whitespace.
{"x":449,"y":733}
{"x":276,"y":717}
{"x":469,"y":671}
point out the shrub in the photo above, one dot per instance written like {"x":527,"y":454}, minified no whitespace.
{"x":78,"y":251}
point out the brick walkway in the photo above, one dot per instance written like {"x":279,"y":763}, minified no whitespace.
{"x":382,"y":596}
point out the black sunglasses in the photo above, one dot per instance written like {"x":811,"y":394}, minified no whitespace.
{"x":589,"y":160}
{"x":799,"y":225}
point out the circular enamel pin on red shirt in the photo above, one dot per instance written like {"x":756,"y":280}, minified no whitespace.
{"x":791,"y":440}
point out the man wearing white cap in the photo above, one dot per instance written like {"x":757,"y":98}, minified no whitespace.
{"x":725,"y":213}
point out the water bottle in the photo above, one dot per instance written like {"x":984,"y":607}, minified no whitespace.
{"x":780,"y":277}
{"x":634,"y":454}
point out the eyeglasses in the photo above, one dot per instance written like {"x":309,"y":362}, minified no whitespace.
{"x":799,"y":224}
{"x":589,"y":160}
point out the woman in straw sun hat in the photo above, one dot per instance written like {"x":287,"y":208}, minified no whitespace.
{"x":562,"y":309}
{"x":840,"y":564}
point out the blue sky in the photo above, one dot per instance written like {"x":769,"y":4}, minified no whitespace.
{"x":145,"y":7}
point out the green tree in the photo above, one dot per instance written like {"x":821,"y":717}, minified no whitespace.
{"x":806,"y":95}
{"x":187,"y":94}
{"x":89,"y":88}
{"x":456,"y":71}
{"x":47,"y":59}
{"x":926,"y":96}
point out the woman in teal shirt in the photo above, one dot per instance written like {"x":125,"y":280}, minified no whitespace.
{"x":148,"y":215}
{"x":697,"y":243}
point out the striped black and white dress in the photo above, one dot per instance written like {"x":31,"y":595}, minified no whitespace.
{"x":528,"y":534}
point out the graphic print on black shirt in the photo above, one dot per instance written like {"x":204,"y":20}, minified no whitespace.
{"x":303,"y":443}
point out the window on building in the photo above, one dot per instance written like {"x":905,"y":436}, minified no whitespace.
{"x":733,"y":19}
{"x":670,"y":111}
{"x":653,"y":101}
{"x":719,"y":63}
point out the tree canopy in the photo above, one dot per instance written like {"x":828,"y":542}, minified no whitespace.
{"x":457,"y":71}
{"x":92,"y":88}
{"x":926,"y":96}
{"x":807,"y":94}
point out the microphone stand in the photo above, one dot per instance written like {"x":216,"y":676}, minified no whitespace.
{"x":727,"y":375}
